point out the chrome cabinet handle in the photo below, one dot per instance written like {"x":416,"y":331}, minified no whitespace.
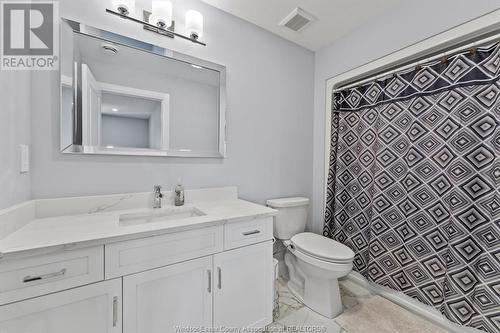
{"x":209,"y":273}
{"x":253,"y":232}
{"x":30,"y":278}
{"x":115,"y":310}
{"x":219,"y":273}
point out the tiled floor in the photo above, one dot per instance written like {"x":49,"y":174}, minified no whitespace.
{"x":363,"y":312}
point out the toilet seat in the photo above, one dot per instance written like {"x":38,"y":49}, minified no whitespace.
{"x":322,"y":248}
{"x":323,"y":264}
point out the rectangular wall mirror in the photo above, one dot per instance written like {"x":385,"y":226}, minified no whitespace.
{"x":122,"y":96}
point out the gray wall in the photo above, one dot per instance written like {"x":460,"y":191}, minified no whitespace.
{"x":410,"y":22}
{"x":270,"y":101}
{"x":125,"y":132}
{"x":15,"y":125}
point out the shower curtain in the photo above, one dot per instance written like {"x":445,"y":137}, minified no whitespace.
{"x":414,"y":183}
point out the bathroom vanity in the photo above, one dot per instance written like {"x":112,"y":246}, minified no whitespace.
{"x":113,"y":264}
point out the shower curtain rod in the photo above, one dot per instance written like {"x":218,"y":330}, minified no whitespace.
{"x":446,"y":52}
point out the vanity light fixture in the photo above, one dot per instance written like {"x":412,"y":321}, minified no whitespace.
{"x":160,"y":20}
{"x":194,"y":24}
{"x":124,"y":7}
{"x":161,"y":15}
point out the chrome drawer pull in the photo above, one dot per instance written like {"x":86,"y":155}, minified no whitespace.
{"x":29,"y":278}
{"x":115,"y":310}
{"x":209,"y":272}
{"x":253,"y":232}
{"x":219,"y":284}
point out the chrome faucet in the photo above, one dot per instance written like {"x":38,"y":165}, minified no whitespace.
{"x":157,"y":196}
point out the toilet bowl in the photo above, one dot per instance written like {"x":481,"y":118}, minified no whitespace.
{"x":314,"y":279}
{"x":314,"y":262}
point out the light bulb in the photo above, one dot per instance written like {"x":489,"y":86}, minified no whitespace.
{"x":124,"y":7}
{"x":194,"y":24}
{"x":161,"y":14}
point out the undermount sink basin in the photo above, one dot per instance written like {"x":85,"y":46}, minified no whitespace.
{"x":159,"y":215}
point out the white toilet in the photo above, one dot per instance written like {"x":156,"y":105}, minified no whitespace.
{"x":314,"y":262}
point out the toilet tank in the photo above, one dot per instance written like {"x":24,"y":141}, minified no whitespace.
{"x":291,"y":218}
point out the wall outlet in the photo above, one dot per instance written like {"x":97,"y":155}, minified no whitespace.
{"x":24,"y":151}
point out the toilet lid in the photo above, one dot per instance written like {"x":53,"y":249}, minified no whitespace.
{"x":322,"y":248}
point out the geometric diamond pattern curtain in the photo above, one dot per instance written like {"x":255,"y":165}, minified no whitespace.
{"x":414,"y":183}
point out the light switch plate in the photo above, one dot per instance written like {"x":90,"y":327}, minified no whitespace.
{"x":24,"y":151}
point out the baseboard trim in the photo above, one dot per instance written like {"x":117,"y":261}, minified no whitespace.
{"x":410,"y":304}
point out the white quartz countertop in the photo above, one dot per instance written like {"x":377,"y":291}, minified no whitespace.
{"x":104,"y":227}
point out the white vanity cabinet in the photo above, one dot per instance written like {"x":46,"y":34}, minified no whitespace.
{"x":234,"y":288}
{"x":243,"y":292}
{"x":43,"y":274}
{"x":162,"y":299}
{"x":219,"y":275}
{"x":93,"y":308}
{"x":123,"y":258}
{"x":228,"y":288}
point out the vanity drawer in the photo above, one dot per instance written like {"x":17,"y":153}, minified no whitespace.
{"x":248,"y":232}
{"x":127,"y":257}
{"x":39,"y":275}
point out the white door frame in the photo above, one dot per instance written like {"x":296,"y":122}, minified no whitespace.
{"x":90,"y":84}
{"x":465,"y":32}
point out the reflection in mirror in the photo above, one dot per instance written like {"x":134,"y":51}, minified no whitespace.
{"x":66,"y":111}
{"x":121,"y":116}
{"x":133,"y":122}
{"x":132,"y":100}
{"x":67,"y":96}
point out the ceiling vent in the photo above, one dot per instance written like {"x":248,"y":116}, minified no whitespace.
{"x":297,"y":20}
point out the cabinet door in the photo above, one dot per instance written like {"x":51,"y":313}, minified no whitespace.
{"x":93,"y":308}
{"x":243,"y":291}
{"x":169,"y":298}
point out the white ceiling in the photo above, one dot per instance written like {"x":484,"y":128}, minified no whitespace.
{"x":335,"y":18}
{"x":149,"y":63}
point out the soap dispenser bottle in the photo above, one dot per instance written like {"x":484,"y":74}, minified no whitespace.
{"x":179,"y":194}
